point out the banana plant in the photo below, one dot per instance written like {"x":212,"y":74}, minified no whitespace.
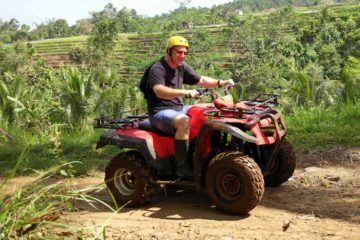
{"x":31,"y":110}
{"x":8,"y":93}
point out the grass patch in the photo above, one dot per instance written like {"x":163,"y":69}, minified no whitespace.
{"x":319,"y":128}
{"x":46,"y":152}
{"x":34,"y":211}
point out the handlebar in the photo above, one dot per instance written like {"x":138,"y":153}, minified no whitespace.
{"x":201,"y":92}
{"x":204,"y":91}
{"x":208,"y":91}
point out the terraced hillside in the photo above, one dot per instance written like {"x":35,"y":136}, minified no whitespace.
{"x":136,"y":51}
{"x":211,"y":46}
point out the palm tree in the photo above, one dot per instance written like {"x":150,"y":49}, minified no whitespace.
{"x":76,"y":94}
{"x":106,"y":93}
{"x":301,"y":87}
{"x":112,"y":96}
{"x":311,"y":91}
{"x":351,"y":91}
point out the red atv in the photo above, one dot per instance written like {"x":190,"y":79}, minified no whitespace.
{"x":235,"y":149}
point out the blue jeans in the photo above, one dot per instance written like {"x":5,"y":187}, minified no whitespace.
{"x":164,"y":119}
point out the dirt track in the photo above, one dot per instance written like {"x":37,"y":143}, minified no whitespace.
{"x":321,"y":201}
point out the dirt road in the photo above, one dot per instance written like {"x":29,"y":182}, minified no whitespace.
{"x":321,"y":201}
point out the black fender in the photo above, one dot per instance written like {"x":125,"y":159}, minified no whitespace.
{"x":202,"y":152}
{"x":208,"y":127}
{"x":144,"y":147}
{"x":234,"y":131}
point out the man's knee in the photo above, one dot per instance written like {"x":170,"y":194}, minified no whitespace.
{"x":182,"y":122}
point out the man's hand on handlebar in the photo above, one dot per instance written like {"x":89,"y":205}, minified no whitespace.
{"x":229,"y":83}
{"x":192,"y":94}
{"x":226,"y":83}
{"x":196,"y":94}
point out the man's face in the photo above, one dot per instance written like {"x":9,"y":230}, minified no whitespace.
{"x":179,"y":54}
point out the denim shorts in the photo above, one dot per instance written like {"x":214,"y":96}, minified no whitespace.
{"x":163,"y":120}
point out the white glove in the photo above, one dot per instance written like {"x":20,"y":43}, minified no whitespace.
{"x":229,"y":82}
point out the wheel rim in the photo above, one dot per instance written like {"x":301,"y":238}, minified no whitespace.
{"x":124,"y":181}
{"x":230,"y":184}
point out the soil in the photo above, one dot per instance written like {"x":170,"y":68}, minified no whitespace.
{"x":320,"y":201}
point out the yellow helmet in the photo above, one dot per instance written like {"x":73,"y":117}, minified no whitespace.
{"x":176,"y":41}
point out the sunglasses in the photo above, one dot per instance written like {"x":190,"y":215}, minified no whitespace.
{"x":181,"y":52}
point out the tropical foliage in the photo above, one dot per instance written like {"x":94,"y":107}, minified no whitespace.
{"x":129,"y":21}
{"x":310,"y":56}
{"x":310,"y":59}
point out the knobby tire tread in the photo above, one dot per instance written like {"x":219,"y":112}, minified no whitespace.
{"x":252,"y":175}
{"x":144,"y":193}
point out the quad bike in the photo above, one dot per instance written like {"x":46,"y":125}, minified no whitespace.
{"x":235,"y":150}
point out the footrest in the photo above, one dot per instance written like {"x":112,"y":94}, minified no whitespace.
{"x":177,"y":182}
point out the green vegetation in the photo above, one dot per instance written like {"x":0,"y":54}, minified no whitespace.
{"x":310,"y":59}
{"x":47,"y":152}
{"x":33,"y":211}
{"x":129,"y":21}
{"x":319,"y":128}
{"x":308,"y":55}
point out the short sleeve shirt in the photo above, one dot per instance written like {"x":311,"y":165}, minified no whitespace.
{"x":162,"y":73}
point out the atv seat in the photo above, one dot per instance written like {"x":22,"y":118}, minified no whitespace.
{"x":146,"y":126}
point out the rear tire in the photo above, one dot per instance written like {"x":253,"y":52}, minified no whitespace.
{"x":234,"y":182}
{"x":129,"y":180}
{"x":284,"y":166}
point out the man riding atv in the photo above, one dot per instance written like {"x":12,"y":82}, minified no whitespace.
{"x":236,"y":148}
{"x":164,"y":98}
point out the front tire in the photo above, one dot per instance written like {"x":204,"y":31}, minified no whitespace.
{"x":284,"y":166}
{"x":234,"y":182}
{"x":129,"y":180}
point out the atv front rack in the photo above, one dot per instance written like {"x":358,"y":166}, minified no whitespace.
{"x":260,"y":105}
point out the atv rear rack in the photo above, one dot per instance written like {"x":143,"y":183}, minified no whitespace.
{"x":116,"y":123}
{"x":117,"y":120}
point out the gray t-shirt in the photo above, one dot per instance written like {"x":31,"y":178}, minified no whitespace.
{"x":161,"y":73}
